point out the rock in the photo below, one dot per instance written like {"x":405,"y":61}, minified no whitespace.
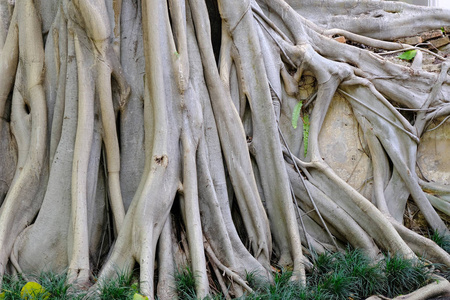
{"x":340,"y":146}
{"x":439,"y":42}
{"x":432,"y":155}
{"x":431,"y":35}
{"x":412,"y":40}
{"x":340,"y":39}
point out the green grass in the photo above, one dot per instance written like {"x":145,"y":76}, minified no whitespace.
{"x":403,"y":275}
{"x":334,"y":276}
{"x":185,"y":284}
{"x":441,"y":240}
{"x":12,"y":286}
{"x":347,"y":275}
{"x":282,"y":287}
{"x":55,"y":287}
{"x":119,"y":288}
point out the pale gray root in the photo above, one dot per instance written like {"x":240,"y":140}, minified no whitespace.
{"x":217,"y":224}
{"x":190,"y":206}
{"x":316,"y":238}
{"x":20,"y":206}
{"x":5,"y":17}
{"x":235,"y":277}
{"x":265,"y":138}
{"x":327,"y":87}
{"x":233,"y":143}
{"x":111,"y":141}
{"x":97,"y":26}
{"x":422,"y":246}
{"x":96,"y":22}
{"x":438,"y":195}
{"x":55,"y":209}
{"x":335,"y":215}
{"x":393,"y":141}
{"x":53,"y":66}
{"x":325,"y":97}
{"x":411,"y":88}
{"x":423,"y":116}
{"x":439,"y":288}
{"x":9,"y":56}
{"x":362,"y":210}
{"x":212,"y":190}
{"x":51,"y":226}
{"x":131,"y":127}
{"x":166,"y":264}
{"x":395,"y":189}
{"x":195,"y":127}
{"x":224,"y":289}
{"x":380,"y":165}
{"x":8,"y":157}
{"x":95,"y":17}
{"x":325,"y":71}
{"x":58,"y":55}
{"x":181,"y":65}
{"x":385,"y":20}
{"x":151,"y":206}
{"x":294,"y":138}
{"x":79,"y":269}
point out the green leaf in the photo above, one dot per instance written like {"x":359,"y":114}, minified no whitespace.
{"x":139,"y":297}
{"x":296,"y":114}
{"x":305,"y":132}
{"x":408,"y":55}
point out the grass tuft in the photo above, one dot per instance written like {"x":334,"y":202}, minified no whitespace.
{"x":403,"y":275}
{"x":12,"y":286}
{"x":55,"y":284}
{"x":120,"y":288}
{"x":441,"y":240}
{"x":349,"y":275}
{"x":185,"y":284}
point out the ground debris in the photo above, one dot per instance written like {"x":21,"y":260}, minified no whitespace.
{"x":434,"y":38}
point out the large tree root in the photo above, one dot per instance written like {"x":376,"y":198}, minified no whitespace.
{"x":439,"y":289}
{"x":203,"y":166}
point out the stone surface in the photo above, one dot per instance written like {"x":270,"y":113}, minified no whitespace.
{"x":439,"y":42}
{"x":431,"y":35}
{"x":412,"y":40}
{"x":340,"y":146}
{"x":433,"y":156}
{"x":340,"y":39}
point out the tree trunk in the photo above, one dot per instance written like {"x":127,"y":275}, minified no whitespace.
{"x":227,"y":136}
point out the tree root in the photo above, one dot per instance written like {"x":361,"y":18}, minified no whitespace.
{"x":435,"y":290}
{"x":211,"y":141}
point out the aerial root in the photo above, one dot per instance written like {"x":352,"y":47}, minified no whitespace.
{"x":421,"y":245}
{"x":439,"y":289}
{"x":219,"y":276}
{"x":375,"y":43}
{"x":235,"y":277}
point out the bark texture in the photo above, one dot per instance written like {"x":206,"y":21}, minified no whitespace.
{"x":228,"y":136}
